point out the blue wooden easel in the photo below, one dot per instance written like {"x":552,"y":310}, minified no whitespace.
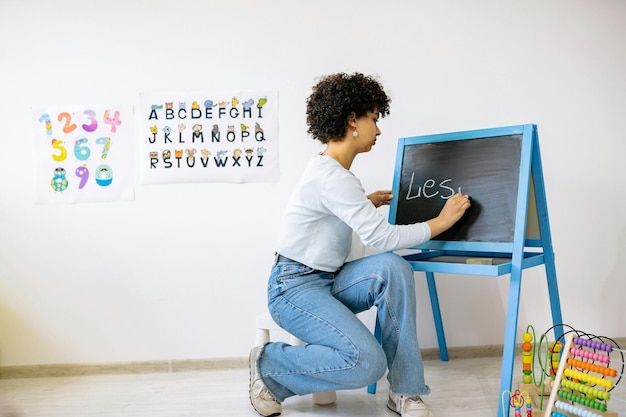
{"x":530,"y":244}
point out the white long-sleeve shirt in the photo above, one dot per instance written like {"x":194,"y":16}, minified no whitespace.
{"x":327,"y":204}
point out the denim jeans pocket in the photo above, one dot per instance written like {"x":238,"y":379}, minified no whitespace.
{"x":290,"y":270}
{"x":289,"y":276}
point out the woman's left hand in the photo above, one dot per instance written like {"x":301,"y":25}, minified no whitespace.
{"x":380,"y":198}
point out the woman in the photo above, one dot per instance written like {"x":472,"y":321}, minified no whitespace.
{"x":314,"y":294}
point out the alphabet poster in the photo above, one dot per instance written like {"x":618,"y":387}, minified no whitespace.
{"x":83,"y":153}
{"x":208,"y":137}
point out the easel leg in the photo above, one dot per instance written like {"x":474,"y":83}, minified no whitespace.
{"x":508,"y":355}
{"x":546,"y":237}
{"x":555,"y":303}
{"x":434,"y":302}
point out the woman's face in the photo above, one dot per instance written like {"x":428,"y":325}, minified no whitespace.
{"x":368,"y":130}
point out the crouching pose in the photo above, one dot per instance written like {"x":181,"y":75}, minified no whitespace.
{"x":314,"y":294}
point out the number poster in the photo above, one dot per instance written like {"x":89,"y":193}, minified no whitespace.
{"x":83,"y":153}
{"x":208,"y":137}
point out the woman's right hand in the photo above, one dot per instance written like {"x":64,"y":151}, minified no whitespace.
{"x":451,"y":213}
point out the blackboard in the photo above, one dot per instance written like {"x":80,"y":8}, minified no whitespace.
{"x":485,"y":168}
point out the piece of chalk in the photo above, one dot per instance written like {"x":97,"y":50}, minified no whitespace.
{"x":479,"y":261}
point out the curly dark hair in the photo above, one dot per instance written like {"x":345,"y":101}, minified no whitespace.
{"x":337,"y":96}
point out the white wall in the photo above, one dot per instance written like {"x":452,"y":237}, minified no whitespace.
{"x":186,"y":265}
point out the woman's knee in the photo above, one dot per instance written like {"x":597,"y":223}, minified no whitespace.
{"x":371,"y":366}
{"x":398,"y":269}
{"x":397,"y":262}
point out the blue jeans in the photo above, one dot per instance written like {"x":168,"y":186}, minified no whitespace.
{"x":341,"y":352}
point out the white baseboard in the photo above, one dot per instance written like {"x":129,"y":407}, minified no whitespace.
{"x":187,"y":365}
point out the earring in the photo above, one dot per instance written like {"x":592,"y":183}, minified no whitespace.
{"x":355,"y":133}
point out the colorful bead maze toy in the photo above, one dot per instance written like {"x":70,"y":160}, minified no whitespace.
{"x":519,"y":401}
{"x":581,"y":384}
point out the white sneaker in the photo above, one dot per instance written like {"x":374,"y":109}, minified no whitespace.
{"x":261,"y":398}
{"x":408,"y":406}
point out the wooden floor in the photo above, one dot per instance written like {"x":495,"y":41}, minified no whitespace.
{"x":465,"y":387}
{"x":460,"y":388}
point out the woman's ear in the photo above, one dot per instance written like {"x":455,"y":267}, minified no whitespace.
{"x":352,"y":120}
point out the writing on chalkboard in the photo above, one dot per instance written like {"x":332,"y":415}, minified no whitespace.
{"x":485,"y":166}
{"x":430,"y":189}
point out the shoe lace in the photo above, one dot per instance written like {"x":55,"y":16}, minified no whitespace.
{"x":413,"y":402}
{"x":263,"y":393}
